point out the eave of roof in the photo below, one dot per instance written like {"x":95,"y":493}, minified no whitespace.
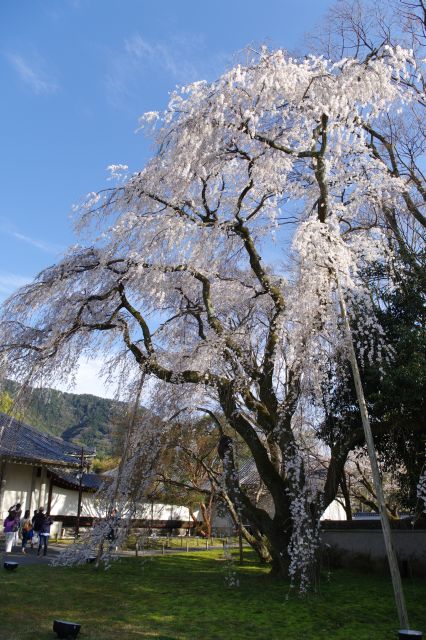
{"x":21,"y":442}
{"x":37,"y":462}
{"x":90,"y":481}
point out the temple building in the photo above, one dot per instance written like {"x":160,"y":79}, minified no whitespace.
{"x":39,"y":470}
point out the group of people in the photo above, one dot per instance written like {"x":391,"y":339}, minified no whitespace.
{"x":27,"y":528}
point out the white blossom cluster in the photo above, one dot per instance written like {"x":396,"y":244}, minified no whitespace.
{"x":282,"y":99}
{"x":326,"y":262}
{"x":231,"y":577}
{"x":421,"y":490}
{"x":304,"y":541}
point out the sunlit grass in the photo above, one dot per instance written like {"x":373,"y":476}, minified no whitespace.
{"x":177,"y":542}
{"x":185,"y":597}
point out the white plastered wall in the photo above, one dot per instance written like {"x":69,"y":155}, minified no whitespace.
{"x":65,"y":503}
{"x":334,"y":511}
{"x":159,"y":511}
{"x":29,"y":485}
{"x":16,"y":487}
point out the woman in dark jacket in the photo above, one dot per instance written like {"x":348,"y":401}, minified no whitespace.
{"x":42,"y":523}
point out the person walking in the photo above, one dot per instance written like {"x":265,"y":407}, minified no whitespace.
{"x":16,"y":512}
{"x":35,"y":532}
{"x":27,"y":531}
{"x":42,"y":524}
{"x":10,"y":529}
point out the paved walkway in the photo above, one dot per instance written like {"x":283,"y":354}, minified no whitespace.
{"x":30,"y":557}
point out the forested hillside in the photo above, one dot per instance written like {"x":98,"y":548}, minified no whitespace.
{"x":78,"y":418}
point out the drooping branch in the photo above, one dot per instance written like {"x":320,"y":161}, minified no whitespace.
{"x":394,"y":171}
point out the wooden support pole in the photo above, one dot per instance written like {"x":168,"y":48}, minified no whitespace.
{"x":80,"y":492}
{"x":387,"y":534}
{"x":240,"y":543}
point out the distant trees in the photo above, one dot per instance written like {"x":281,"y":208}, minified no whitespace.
{"x":396,"y":391}
{"x":6,"y":403}
{"x":80,"y":418}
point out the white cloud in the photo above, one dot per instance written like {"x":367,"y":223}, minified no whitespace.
{"x":172,"y":57}
{"x":48,"y":247}
{"x":184,"y":59}
{"x":10,"y":229}
{"x":31,"y":75}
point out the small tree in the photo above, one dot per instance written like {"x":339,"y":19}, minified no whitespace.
{"x":189,"y":470}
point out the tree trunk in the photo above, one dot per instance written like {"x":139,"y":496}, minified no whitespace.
{"x":254,"y":536}
{"x":207,"y":521}
{"x":346,"y":496}
{"x":279,"y":539}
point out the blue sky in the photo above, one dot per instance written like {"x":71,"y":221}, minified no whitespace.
{"x":77,"y":75}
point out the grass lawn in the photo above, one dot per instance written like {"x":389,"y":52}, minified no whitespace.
{"x":185,"y":597}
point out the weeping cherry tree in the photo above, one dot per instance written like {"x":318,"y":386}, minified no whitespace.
{"x":181,"y":283}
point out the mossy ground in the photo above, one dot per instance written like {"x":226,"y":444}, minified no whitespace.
{"x":186,"y":597}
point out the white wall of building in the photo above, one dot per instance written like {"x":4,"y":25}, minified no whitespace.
{"x":334,"y":511}
{"x":16,"y":487}
{"x":65,"y":503}
{"x":159,"y":511}
{"x":29,"y":485}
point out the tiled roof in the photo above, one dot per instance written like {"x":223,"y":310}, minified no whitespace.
{"x":90,"y":481}
{"x":249,"y":475}
{"x":19,"y":441}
